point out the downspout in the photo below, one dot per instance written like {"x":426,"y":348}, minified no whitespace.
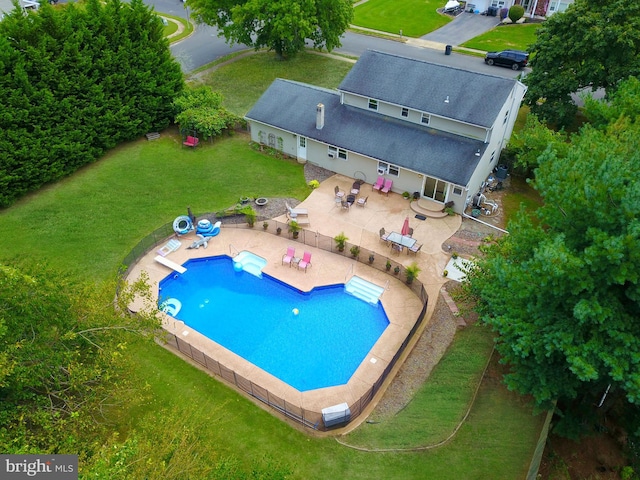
{"x":464,"y":215}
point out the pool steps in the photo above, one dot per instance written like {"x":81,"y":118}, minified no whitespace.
{"x":363,"y":289}
{"x":249,"y":262}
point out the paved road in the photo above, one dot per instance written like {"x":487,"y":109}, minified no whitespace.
{"x":355,"y":44}
{"x":204,"y":46}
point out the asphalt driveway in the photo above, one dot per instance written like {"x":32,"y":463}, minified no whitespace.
{"x":463,"y":28}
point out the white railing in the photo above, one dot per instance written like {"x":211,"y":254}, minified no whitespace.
{"x":349,"y":273}
{"x":233,"y":249}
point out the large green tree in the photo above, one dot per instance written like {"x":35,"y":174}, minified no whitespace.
{"x":282,"y":25}
{"x":562,"y":291}
{"x":594,"y":43}
{"x":64,"y":364}
{"x":76,"y":81}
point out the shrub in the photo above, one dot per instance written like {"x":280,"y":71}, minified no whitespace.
{"x":516,"y":12}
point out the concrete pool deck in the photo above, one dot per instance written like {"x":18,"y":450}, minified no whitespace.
{"x":361,"y":226}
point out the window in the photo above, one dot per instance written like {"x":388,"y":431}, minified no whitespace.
{"x":405,"y":112}
{"x":388,"y":169}
{"x":272,"y":140}
{"x":506,"y":117}
{"x":457,"y":191}
{"x":303,"y":142}
{"x":373,"y":104}
{"x":425,"y":119}
{"x":335,"y":152}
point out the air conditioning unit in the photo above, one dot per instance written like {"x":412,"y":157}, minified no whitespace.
{"x":331,"y":155}
{"x":381,"y":171}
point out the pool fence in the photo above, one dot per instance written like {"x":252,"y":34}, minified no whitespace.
{"x":307,"y":418}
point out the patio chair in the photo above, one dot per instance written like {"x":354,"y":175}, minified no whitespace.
{"x":383,"y":235}
{"x":191,"y":141}
{"x":415,"y":249}
{"x":395,"y":247}
{"x":305,"y":262}
{"x":345,"y":205}
{"x":387,"y":186}
{"x":339,"y":193}
{"x":289,"y":256}
{"x":410,"y":233}
{"x":171,"y":246}
{"x":294,"y":212}
{"x":378,"y":184}
{"x":355,"y":188}
{"x":362,"y":202}
{"x":351,"y":199}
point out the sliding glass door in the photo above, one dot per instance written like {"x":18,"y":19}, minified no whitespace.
{"x":435,"y":189}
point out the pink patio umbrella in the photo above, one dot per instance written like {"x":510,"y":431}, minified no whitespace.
{"x":405,"y":227}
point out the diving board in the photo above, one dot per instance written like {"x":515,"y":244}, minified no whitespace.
{"x":168,"y":263}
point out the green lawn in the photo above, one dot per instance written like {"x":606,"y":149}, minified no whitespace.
{"x":413,"y":17}
{"x":89,"y":222}
{"x":440,"y":405}
{"x":170,"y":28}
{"x":257,"y":71}
{"x":503,"y":37}
{"x":496,"y":441}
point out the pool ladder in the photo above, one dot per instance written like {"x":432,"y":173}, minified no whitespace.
{"x":233,"y":249}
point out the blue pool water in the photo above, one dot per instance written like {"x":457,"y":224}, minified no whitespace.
{"x":320,"y":346}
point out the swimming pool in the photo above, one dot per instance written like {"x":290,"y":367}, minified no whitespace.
{"x":308,"y":340}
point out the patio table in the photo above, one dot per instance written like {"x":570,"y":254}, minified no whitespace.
{"x":404,"y":240}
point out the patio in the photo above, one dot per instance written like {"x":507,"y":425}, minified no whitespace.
{"x":361,"y":225}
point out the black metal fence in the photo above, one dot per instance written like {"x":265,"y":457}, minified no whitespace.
{"x":308,"y":418}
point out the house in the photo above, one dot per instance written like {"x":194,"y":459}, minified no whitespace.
{"x":6,"y":6}
{"x":532,"y":8}
{"x":432,"y":129}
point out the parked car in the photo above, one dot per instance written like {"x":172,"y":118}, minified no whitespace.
{"x":514,"y":59}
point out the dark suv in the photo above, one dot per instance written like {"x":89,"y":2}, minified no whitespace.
{"x":508,"y":58}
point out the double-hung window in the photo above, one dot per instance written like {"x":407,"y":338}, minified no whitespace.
{"x":335,"y":152}
{"x":373,"y":104}
{"x":425,"y":119}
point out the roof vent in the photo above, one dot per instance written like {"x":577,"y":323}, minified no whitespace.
{"x":320,"y":116}
{"x":446,"y":100}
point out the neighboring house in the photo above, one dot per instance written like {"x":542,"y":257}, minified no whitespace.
{"x":537,"y":8}
{"x":6,"y":6}
{"x":432,"y":129}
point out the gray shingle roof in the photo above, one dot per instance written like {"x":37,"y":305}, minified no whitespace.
{"x":474,"y":98}
{"x":291,"y":106}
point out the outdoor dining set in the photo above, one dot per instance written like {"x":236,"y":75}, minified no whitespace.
{"x":402,"y":240}
{"x":346,"y":200}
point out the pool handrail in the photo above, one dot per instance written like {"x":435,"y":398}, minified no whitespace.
{"x":231,"y":249}
{"x":349,"y":272}
{"x":386,"y":287}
